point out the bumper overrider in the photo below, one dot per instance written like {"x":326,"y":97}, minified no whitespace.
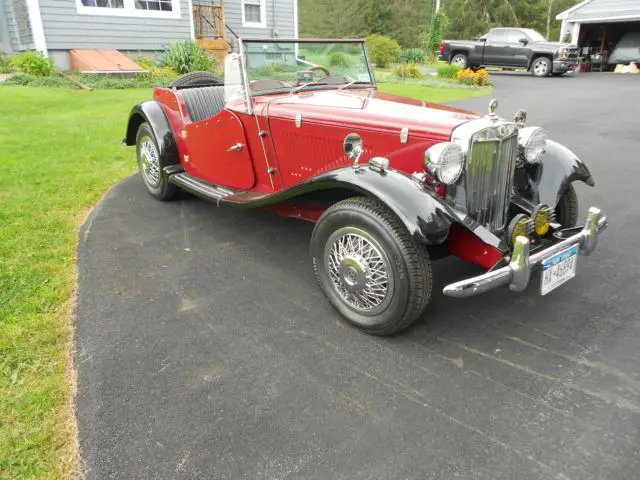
{"x":518,"y":272}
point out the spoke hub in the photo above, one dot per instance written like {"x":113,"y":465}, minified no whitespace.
{"x":353,"y":273}
{"x":359,"y":270}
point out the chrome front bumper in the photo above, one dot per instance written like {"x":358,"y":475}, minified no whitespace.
{"x":518,"y":272}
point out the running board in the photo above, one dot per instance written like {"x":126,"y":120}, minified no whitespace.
{"x":200,"y":188}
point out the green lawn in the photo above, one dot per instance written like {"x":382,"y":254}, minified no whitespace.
{"x":432,"y":94}
{"x":60,"y":152}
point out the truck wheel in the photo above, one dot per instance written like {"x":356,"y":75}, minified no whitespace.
{"x":541,"y":67}
{"x":567,"y":208}
{"x":374,"y":273}
{"x":460,"y":59}
{"x":150,"y":165}
{"x":197,"y":79}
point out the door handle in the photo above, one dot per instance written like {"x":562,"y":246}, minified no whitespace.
{"x":237,"y":147}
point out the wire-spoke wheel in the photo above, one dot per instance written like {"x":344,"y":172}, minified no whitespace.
{"x":151,"y":166}
{"x":541,"y":67}
{"x":149,"y":161}
{"x":374,"y":273}
{"x":359,"y":270}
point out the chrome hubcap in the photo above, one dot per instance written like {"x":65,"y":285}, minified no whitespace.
{"x":149,"y":162}
{"x":359,"y":270}
{"x":540,"y":68}
{"x":458,"y":61}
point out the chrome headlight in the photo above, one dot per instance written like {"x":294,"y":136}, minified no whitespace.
{"x":533,"y":143}
{"x":444,"y":161}
{"x":563,"y":53}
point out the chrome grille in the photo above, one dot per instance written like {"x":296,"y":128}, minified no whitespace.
{"x":489,"y":178}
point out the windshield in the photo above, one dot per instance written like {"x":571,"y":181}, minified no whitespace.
{"x":533,"y":35}
{"x":275,"y":67}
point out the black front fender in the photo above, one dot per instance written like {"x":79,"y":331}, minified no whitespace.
{"x":423,"y":213}
{"x":152,"y":113}
{"x":546,"y":181}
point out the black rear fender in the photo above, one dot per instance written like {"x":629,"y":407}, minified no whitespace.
{"x":152,"y":113}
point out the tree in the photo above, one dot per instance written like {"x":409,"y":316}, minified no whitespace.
{"x":377,"y":14}
{"x":436,"y":31}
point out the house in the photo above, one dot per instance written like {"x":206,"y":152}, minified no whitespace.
{"x":600,"y":24}
{"x":58,"y":27}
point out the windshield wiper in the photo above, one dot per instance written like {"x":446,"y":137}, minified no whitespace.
{"x":308,"y":84}
{"x":354,"y":82}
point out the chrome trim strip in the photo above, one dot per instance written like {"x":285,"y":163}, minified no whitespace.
{"x":518,"y":273}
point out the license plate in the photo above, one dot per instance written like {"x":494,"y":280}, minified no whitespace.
{"x":559,"y":269}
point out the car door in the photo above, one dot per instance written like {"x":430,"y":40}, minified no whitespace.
{"x":218,"y":151}
{"x":496,"y":48}
{"x":519,"y":49}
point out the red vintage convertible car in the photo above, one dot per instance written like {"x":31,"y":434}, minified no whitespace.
{"x":391,"y":183}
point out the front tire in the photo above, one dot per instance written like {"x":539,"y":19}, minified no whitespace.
{"x":373,"y":272}
{"x":567,"y":208}
{"x":541,"y":67}
{"x":151,"y":166}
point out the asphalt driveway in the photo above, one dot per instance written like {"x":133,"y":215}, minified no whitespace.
{"x":205,"y":349}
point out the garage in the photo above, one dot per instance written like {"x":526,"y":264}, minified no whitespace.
{"x":607,"y":32}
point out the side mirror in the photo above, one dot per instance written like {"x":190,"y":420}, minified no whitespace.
{"x":523,"y":41}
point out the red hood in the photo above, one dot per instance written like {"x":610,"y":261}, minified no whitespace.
{"x":369,"y":109}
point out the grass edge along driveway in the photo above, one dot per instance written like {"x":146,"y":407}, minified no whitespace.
{"x":60,"y":153}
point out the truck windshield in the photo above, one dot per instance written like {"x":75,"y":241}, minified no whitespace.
{"x":274,"y":67}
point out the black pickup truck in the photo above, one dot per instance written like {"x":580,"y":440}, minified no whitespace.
{"x":512,"y":48}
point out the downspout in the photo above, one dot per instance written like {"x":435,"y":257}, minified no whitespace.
{"x":37,"y":29}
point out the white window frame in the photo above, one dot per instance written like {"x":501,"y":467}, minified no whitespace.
{"x":263,"y":15}
{"x":129,"y":10}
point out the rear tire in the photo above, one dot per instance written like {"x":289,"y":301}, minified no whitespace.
{"x":461,"y":60}
{"x":151,"y":165}
{"x":373,"y":272}
{"x":197,"y":79}
{"x":541,"y":67}
{"x":567,"y":208}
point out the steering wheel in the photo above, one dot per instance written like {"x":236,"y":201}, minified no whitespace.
{"x":320,"y":68}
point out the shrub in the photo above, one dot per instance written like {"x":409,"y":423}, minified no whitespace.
{"x":383,"y":50}
{"x":448,"y":71}
{"x":33,"y":63}
{"x":479,"y":78}
{"x":39,"y":81}
{"x":188,"y":56}
{"x":338,"y":59}
{"x":406,"y":70}
{"x":412,"y":55}
{"x":5,"y":64}
{"x":147,"y":63}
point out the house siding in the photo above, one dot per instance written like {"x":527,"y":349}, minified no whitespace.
{"x":18,"y":27}
{"x":66,"y":29}
{"x":5,"y":46}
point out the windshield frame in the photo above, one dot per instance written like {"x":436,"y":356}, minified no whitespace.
{"x":243,"y":63}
